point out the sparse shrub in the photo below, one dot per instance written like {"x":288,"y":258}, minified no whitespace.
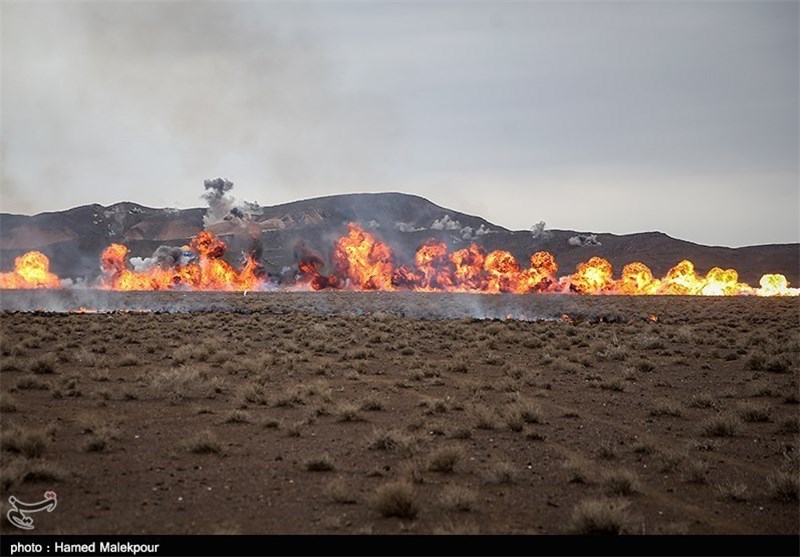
{"x":203,"y":442}
{"x":458,"y":498}
{"x":179,"y":383}
{"x":338,"y":492}
{"x":502,"y":472}
{"x":778,"y":364}
{"x":44,"y":365}
{"x":620,"y":482}
{"x":458,"y":367}
{"x":238,"y":416}
{"x":27,"y":442}
{"x":372,"y":404}
{"x":753,"y":413}
{"x":784,"y":486}
{"x":606,"y":451}
{"x":8,"y":405}
{"x":720,"y":426}
{"x":701,"y":401}
{"x":642,"y":448}
{"x":789,"y":425}
{"x":643,"y":366}
{"x":41,"y":471}
{"x":697,"y":472}
{"x":396,"y":499}
{"x":514,"y":420}
{"x":615,"y":353}
{"x":485,"y":417}
{"x":670,"y":461}
{"x":577,"y":471}
{"x":348,"y":412}
{"x":599,"y":516}
{"x":128,"y":360}
{"x":444,"y":459}
{"x":9,"y":365}
{"x":666,"y":407}
{"x":755,"y":361}
{"x":95,"y":444}
{"x":413,"y":470}
{"x":320,"y":464}
{"x":732,"y":491}
{"x":253,"y":393}
{"x":392,"y":440}
{"x":613,"y":384}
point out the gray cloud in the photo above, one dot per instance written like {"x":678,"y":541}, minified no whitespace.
{"x":612,"y":117}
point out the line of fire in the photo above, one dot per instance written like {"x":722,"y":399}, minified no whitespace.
{"x":360,"y":261}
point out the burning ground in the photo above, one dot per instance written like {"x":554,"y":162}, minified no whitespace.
{"x":360,"y":261}
{"x":339,"y":411}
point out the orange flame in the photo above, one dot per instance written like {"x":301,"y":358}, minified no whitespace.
{"x":776,"y":285}
{"x":468,"y":267}
{"x":211,"y":273}
{"x":363,"y":261}
{"x":433,"y":262}
{"x":31,"y":270}
{"x":592,"y":277}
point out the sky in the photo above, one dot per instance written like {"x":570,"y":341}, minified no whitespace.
{"x":621,"y":117}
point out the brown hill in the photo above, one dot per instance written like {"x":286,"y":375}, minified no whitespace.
{"x":73,"y":239}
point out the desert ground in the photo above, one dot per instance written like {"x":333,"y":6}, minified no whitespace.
{"x":366,"y":412}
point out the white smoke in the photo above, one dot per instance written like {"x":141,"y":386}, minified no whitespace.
{"x":406,"y":227}
{"x":165,"y":257}
{"x":469,"y":233}
{"x":222,"y":206}
{"x":446,"y":223}
{"x":539,"y":232}
{"x":373,"y":224}
{"x":584,"y":240}
{"x":482,"y":231}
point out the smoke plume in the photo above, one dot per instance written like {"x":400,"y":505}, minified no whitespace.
{"x":539,"y":232}
{"x":165,"y":257}
{"x":584,"y":240}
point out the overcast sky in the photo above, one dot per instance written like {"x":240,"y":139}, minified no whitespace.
{"x":620,"y":117}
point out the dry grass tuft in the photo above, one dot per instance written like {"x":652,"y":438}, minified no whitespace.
{"x":620,"y":483}
{"x":599,"y":516}
{"x":502,"y":472}
{"x":784,"y":486}
{"x":393,"y":440}
{"x":44,"y":365}
{"x":203,"y":442}
{"x":339,"y":492}
{"x":723,"y":425}
{"x":320,"y":464}
{"x":443,"y":460}
{"x":458,"y":498}
{"x":396,"y":499}
{"x":732,"y":491}
{"x":27,"y":442}
{"x":666,"y":407}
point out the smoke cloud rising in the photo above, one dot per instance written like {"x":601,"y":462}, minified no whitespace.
{"x":584,"y":240}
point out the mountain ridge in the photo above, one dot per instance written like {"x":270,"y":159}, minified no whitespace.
{"x":73,"y":238}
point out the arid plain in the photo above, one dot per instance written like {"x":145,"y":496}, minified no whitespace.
{"x":383,"y":412}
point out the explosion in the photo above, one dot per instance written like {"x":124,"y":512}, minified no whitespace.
{"x":31,"y":270}
{"x":361,"y":262}
{"x":208,"y":272}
